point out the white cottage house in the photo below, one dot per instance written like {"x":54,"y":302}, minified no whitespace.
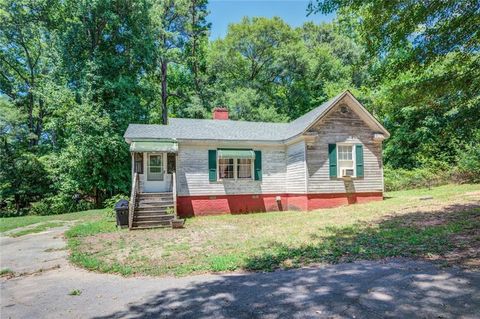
{"x":328,"y":157}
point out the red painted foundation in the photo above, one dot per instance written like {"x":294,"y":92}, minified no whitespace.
{"x":240,"y":204}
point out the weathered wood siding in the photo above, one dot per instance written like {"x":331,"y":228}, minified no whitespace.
{"x":192,"y":172}
{"x":294,"y":168}
{"x":343,"y":127}
{"x":296,"y":178}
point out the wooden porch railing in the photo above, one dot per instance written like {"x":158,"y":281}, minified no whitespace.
{"x":133,"y":200}
{"x":174,"y":194}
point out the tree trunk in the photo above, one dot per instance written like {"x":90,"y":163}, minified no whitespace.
{"x":194,"y":45}
{"x":39,"y":127}
{"x":31,"y":141}
{"x":17,"y":203}
{"x":97,"y":198}
{"x":163,"y":68}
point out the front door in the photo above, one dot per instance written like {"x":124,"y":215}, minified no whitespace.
{"x":157,"y":180}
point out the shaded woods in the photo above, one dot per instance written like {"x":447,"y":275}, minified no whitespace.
{"x":74,"y":74}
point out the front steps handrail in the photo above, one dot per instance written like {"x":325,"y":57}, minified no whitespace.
{"x":133,"y":200}
{"x":174,"y":194}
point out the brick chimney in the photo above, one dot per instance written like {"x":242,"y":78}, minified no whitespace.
{"x":220,"y":113}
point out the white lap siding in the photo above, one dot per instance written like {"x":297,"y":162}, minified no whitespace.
{"x":339,"y":127}
{"x":192,"y":172}
{"x":293,"y":168}
{"x":296,"y":166}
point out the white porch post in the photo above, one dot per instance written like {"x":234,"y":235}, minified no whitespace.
{"x":133,"y":163}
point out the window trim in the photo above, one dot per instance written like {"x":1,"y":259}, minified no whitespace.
{"x":354,"y":160}
{"x":235,"y":170}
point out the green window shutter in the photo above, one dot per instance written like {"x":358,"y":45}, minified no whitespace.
{"x":212,"y":165}
{"x":332,"y":159}
{"x":359,"y":159}
{"x":258,"y":165}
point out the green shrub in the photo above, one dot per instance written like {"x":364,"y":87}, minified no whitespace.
{"x":59,"y":204}
{"x":110,"y":202}
{"x":8,"y":209}
{"x":468,"y":167}
{"x":400,"y":179}
{"x":84,"y":205}
{"x":41,"y":207}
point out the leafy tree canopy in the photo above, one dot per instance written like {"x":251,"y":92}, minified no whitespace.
{"x":74,"y":74}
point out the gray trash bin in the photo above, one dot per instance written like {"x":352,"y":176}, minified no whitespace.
{"x":121,"y":210}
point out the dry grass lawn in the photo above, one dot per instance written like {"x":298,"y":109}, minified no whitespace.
{"x":445,"y":227}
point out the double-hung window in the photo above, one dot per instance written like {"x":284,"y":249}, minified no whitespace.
{"x":345,"y":160}
{"x":346,"y":163}
{"x":244,"y":168}
{"x":235,"y":168}
{"x":234,"y":164}
{"x":226,"y":168}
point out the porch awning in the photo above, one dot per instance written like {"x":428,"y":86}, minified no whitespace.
{"x":235,"y":153}
{"x":152,"y":146}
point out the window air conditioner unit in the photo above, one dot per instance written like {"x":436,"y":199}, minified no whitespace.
{"x":347,"y":172}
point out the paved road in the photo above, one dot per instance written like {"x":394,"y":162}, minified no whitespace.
{"x":396,"y":288}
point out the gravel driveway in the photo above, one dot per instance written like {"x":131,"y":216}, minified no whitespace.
{"x":394,"y":288}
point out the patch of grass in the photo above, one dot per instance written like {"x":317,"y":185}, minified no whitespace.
{"x":225,"y":263}
{"x":37,"y":229}
{"x":390,"y":238}
{"x":9,"y":223}
{"x":90,"y":262}
{"x":94,"y":263}
{"x":401,"y":225}
{"x":75,"y":292}
{"x":104,"y":225}
{"x":6,"y":272}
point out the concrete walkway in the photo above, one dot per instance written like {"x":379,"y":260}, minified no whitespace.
{"x":396,"y":288}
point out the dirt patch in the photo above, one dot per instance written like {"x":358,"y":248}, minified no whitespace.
{"x":50,"y":250}
{"x":466,"y":245}
{"x":467,"y":253}
{"x":7,"y":274}
{"x":152,"y":249}
{"x":432,"y":215}
{"x":473,"y":194}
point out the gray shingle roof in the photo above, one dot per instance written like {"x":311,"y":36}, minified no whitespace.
{"x":180,"y":128}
